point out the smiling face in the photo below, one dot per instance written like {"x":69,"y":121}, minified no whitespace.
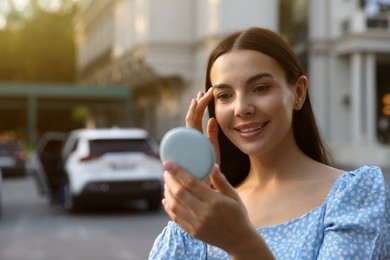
{"x":253,"y":102}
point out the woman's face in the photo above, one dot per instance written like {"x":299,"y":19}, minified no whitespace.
{"x":253,"y":102}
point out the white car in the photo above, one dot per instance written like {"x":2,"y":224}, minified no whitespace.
{"x":111,"y":166}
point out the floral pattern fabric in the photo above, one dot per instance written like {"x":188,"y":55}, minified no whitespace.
{"x":352,"y":223}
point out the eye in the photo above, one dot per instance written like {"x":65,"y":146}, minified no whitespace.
{"x":223,"y":96}
{"x":261,"y":89}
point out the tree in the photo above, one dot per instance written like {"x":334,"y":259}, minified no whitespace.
{"x":38,"y":44}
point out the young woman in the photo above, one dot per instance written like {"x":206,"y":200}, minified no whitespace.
{"x":273,"y":192}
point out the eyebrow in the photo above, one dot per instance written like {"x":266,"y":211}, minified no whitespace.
{"x":249,"y":81}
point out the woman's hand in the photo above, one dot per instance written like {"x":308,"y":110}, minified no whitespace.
{"x":194,"y":119}
{"x":217,"y":217}
{"x":197,"y":108}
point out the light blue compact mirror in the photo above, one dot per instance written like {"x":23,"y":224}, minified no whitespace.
{"x":190,"y":149}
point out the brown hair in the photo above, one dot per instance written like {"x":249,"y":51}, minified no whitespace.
{"x":234,"y":163}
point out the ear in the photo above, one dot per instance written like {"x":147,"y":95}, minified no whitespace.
{"x":300,"y":92}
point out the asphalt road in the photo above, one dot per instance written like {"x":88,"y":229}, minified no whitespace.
{"x":30,"y":229}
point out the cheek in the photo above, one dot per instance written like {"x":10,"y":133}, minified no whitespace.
{"x":223,"y":115}
{"x":270,"y":105}
{"x":286,"y":110}
{"x":282,"y":102}
{"x":220,"y":114}
{"x":280,"y":109}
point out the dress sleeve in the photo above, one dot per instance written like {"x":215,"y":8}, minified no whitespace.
{"x":357,"y":218}
{"x":174,"y":243}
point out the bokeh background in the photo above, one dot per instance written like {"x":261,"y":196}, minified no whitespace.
{"x":68,"y":64}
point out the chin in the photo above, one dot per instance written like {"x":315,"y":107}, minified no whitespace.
{"x":251,"y":150}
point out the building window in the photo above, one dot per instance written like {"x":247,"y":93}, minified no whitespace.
{"x":373,"y":7}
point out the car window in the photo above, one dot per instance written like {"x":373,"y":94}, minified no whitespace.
{"x":10,"y":147}
{"x":119,"y":145}
{"x":69,"y":147}
{"x":74,"y":145}
{"x":53,"y":146}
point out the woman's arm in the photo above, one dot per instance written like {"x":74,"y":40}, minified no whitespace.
{"x":217,"y":217}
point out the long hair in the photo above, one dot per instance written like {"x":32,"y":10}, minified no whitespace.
{"x":234,"y":163}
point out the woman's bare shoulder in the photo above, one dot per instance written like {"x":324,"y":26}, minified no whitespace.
{"x":326,"y":172}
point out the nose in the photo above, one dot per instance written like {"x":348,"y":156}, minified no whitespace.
{"x":243,"y":107}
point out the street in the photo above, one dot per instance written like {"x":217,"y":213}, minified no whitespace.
{"x":30,"y":229}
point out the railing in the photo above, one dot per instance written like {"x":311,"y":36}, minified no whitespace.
{"x":359,"y":22}
{"x":377,"y":23}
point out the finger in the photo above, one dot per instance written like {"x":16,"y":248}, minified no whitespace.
{"x":220,"y":182}
{"x":197,"y":108}
{"x":191,"y":111}
{"x":200,"y":94}
{"x":177,"y":190}
{"x":183,"y":183}
{"x":190,"y":117}
{"x":204,"y":100}
{"x":180,"y":175}
{"x":175,"y":208}
{"x":212,"y":133}
{"x":181,"y":204}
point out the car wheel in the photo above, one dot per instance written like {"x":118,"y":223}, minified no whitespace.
{"x":70,"y":202}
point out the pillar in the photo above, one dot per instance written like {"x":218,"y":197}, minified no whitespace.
{"x":32,"y":119}
{"x":357,"y":96}
{"x":371,"y":105}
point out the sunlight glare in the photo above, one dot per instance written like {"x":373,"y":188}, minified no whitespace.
{"x":50,"y":5}
{"x":3,"y":22}
{"x":20,"y":4}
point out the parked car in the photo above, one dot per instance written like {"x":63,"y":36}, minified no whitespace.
{"x":12,"y":159}
{"x":44,"y":164}
{"x":111,"y":166}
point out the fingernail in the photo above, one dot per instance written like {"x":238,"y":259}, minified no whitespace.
{"x":216,"y":165}
{"x":210,"y":89}
{"x":167,"y":165}
{"x":166,"y":173}
{"x":193,"y":100}
{"x":163,"y":202}
{"x":218,"y":168}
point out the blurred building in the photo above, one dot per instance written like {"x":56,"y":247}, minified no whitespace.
{"x":159,"y":49}
{"x":349,"y":65}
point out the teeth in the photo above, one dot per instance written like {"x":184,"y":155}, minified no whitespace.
{"x":247,"y":130}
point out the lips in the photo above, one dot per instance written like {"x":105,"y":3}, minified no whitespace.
{"x":250,"y":128}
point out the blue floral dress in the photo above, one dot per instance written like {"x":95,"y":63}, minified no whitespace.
{"x":352,"y":223}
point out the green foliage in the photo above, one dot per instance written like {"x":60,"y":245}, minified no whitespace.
{"x":81,"y":113}
{"x":39,"y":48}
